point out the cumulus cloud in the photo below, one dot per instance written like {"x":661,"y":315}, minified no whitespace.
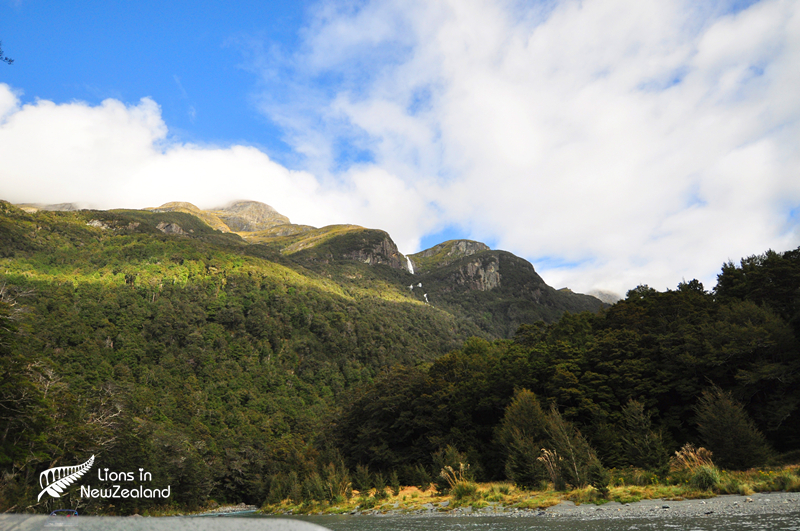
{"x":610,"y":142}
{"x":118,"y":156}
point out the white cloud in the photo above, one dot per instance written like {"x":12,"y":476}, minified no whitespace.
{"x":611,"y":142}
{"x":118,"y":156}
{"x":638,"y":142}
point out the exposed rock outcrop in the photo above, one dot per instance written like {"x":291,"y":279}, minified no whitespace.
{"x":170,"y":228}
{"x":479,"y":274}
{"x":384,"y":252}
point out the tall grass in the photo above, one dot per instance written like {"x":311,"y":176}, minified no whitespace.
{"x":690,"y":458}
{"x":551,"y":462}
{"x":460,"y":486}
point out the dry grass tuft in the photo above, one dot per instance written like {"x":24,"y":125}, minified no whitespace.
{"x":689,"y":458}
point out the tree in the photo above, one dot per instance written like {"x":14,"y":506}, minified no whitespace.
{"x":3,"y":58}
{"x":728,"y":431}
{"x":643,"y":446}
{"x":522,"y":434}
{"x":578,"y":464}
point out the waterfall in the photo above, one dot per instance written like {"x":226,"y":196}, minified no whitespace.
{"x":410,"y":265}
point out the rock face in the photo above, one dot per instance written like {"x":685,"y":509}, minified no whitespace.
{"x":170,"y":228}
{"x":383,"y":251}
{"x":493,"y":289}
{"x":250,"y":216}
{"x":479,"y":274}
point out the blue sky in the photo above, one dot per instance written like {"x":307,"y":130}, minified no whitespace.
{"x":190,"y":57}
{"x":610,"y":142}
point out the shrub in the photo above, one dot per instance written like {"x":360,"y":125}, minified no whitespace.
{"x":380,"y":487}
{"x":394,"y":483}
{"x":314,"y":487}
{"x":294,"y":488}
{"x":785,"y":481}
{"x":464,"y":489}
{"x":599,"y":478}
{"x":366,"y":503}
{"x":362,"y":478}
{"x":337,"y":482}
{"x":454,"y":476}
{"x":276,"y":490}
{"x":705,"y":477}
{"x":456,"y":461}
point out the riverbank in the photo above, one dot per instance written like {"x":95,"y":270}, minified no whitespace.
{"x":723,"y":505}
{"x":743,"y":489}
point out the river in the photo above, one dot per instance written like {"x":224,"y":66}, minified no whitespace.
{"x":778,"y":522}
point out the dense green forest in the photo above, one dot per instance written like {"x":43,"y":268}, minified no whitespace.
{"x":241,"y":373}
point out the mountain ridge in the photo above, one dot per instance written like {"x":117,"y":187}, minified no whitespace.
{"x":492,"y":289}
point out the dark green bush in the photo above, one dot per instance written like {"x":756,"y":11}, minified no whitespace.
{"x":728,"y":431}
{"x":705,"y":477}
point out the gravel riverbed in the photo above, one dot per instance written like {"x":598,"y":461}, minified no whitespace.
{"x":727,"y":505}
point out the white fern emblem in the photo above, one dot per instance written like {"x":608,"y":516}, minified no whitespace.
{"x":55,"y":480}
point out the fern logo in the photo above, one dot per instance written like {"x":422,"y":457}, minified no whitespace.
{"x":55,"y":480}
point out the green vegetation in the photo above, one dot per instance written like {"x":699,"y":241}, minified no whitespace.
{"x":295,"y":375}
{"x":189,"y":355}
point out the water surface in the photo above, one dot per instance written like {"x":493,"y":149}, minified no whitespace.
{"x":778,"y":522}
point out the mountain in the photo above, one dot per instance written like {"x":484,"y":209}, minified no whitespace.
{"x":250,"y":216}
{"x":493,"y":290}
{"x":496,"y":290}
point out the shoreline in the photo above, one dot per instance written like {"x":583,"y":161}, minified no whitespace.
{"x":722,"y":505}
{"x":725,"y":505}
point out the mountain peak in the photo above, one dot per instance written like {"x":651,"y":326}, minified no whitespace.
{"x":250,"y":216}
{"x":175,"y":206}
{"x":457,"y":248}
{"x":446,"y":253}
{"x":211,"y":219}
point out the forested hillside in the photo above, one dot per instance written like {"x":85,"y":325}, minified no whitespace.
{"x":632,"y":380}
{"x":152,"y":339}
{"x":289,"y":361}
